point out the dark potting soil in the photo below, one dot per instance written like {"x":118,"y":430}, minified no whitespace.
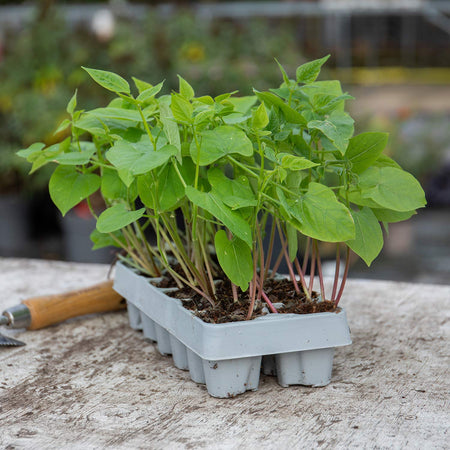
{"x":227,"y":310}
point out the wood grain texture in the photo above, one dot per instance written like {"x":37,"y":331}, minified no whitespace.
{"x":51,"y":309}
{"x":93,"y":382}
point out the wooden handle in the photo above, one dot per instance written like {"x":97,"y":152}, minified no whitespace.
{"x":51,"y":309}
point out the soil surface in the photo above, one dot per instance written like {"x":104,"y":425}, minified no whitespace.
{"x":227,"y":310}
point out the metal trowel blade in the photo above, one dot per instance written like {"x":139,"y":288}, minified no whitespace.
{"x":9,"y":342}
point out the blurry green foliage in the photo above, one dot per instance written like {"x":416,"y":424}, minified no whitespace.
{"x":40,"y":66}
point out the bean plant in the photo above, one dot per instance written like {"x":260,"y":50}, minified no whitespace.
{"x":283,"y":162}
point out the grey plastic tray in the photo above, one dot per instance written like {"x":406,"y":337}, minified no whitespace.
{"x":228,"y":357}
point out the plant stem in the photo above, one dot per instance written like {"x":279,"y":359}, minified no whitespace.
{"x":344,"y":278}
{"x":279,"y":259}
{"x":270,"y":249}
{"x":288,"y":261}
{"x":336,"y":272}
{"x":313,"y":267}
{"x":319,"y":269}
{"x":306,"y":255}
{"x":302,"y":278}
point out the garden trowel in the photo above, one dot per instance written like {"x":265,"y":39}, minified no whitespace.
{"x":39,"y":312}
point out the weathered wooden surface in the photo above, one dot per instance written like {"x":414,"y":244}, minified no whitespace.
{"x":93,"y":382}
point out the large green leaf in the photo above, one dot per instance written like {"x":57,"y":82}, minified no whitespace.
{"x":219,"y":142}
{"x":234,"y":193}
{"x":231,"y":219}
{"x":140,"y":157}
{"x":307,"y":73}
{"x":368,"y":240}
{"x":170,"y":189}
{"x":235,"y":258}
{"x":322,"y":216}
{"x":364,"y":149}
{"x":117,"y":217}
{"x":109,"y":80}
{"x":68,"y":187}
{"x":392,"y":188}
{"x":390,"y":216}
{"x":338,"y":128}
{"x":113,"y":188}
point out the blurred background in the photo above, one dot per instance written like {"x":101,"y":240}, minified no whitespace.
{"x":392,"y":55}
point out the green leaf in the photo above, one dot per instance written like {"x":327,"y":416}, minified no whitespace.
{"x":368,"y":240}
{"x":293,"y":162}
{"x":102,"y":240}
{"x":62,"y":126}
{"x":392,"y":188}
{"x":41,"y":158}
{"x":283,"y":73}
{"x":113,"y":188}
{"x":235,"y":258}
{"x":138,"y":158}
{"x":170,"y":190}
{"x":243,"y":104}
{"x":325,"y":104}
{"x":231,"y":219}
{"x":234,"y":193}
{"x":307,"y":73}
{"x":72,"y":103}
{"x":390,"y":216}
{"x":289,"y":113}
{"x":260,"y":117}
{"x":322,"y":216}
{"x":292,"y":241}
{"x":203,"y":117}
{"x":76,"y":158}
{"x":219,"y":142}
{"x":170,"y":127}
{"x":114,"y":113}
{"x":338,"y":128}
{"x":384,"y":161}
{"x":68,"y":187}
{"x":109,"y":80}
{"x":181,"y":108}
{"x":31,"y":150}
{"x":141,"y":85}
{"x":185,"y":88}
{"x":117,"y":217}
{"x":150,"y":92}
{"x":364,"y":149}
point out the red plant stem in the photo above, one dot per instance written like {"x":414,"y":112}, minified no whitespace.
{"x":306,"y":255}
{"x":270,"y":249}
{"x":344,"y":278}
{"x":279,"y":259}
{"x":269,"y":303}
{"x":313,"y":268}
{"x":336,"y":272}
{"x":319,"y":268}
{"x":288,"y":262}
{"x":302,"y":278}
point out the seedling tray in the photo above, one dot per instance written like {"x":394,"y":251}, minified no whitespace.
{"x":229,"y":357}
